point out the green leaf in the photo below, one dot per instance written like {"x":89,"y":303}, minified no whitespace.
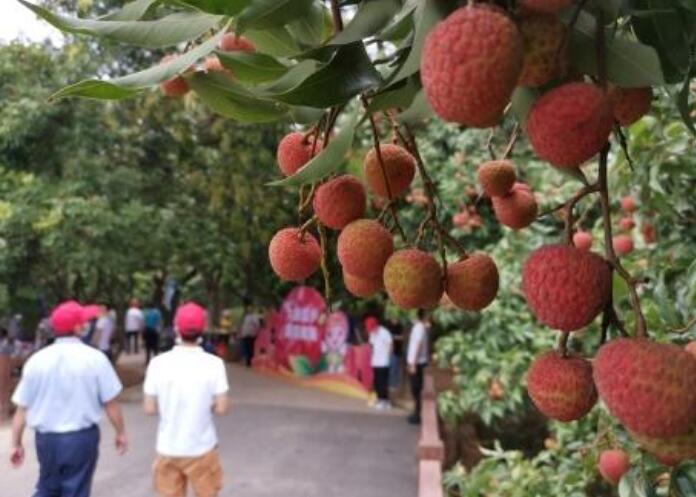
{"x":277,"y":42}
{"x":634,"y":484}
{"x":252,"y":67}
{"x":130,"y":85}
{"x":397,"y":96}
{"x":349,"y":72}
{"x":221,"y":7}
{"x":522,"y":100}
{"x":401,"y":25}
{"x":271,"y":13}
{"x":371,"y":17}
{"x":683,"y":104}
{"x":311,"y":29}
{"x":418,"y":111}
{"x":168,"y":31}
{"x":231,"y":100}
{"x":683,"y":480}
{"x":329,"y":159}
{"x":305,"y":115}
{"x":132,"y":11}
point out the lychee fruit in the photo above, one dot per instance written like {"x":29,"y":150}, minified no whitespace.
{"x":670,"y":450}
{"x":623,"y":244}
{"x":472,"y":283}
{"x":545,"y":6}
{"x":362,"y":287}
{"x":544,"y":57}
{"x":565,"y":287}
{"x":294,"y":151}
{"x":570,"y":124}
{"x":648,"y":232}
{"x":630,"y":104}
{"x":339,"y":201}
{"x":691,"y":348}
{"x":294,"y":255}
{"x":626,"y":223}
{"x":413,"y":279}
{"x":628,"y":204}
{"x":582,"y":240}
{"x":399,"y":169}
{"x":232,"y":43}
{"x":213,"y":64}
{"x":176,"y":86}
{"x":470,"y":65}
{"x":518,"y":209}
{"x":364,"y":247}
{"x":613,"y":464}
{"x":561,"y":387}
{"x":649,"y":387}
{"x":496,"y":177}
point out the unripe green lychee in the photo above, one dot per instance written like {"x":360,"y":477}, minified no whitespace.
{"x":613,"y":464}
{"x":544,"y":56}
{"x":294,"y":256}
{"x":496,"y":177}
{"x":561,"y":387}
{"x":518,"y":209}
{"x":364,"y":247}
{"x":472,"y":283}
{"x":339,"y":201}
{"x":470,"y":65}
{"x":399,"y":169}
{"x":413,"y":279}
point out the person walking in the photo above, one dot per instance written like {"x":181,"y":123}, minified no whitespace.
{"x":417,"y":360}
{"x":104,"y":332}
{"x":134,"y":325}
{"x":63,"y":390}
{"x":251,"y":323}
{"x":381,"y":343}
{"x":187,"y":387}
{"x":152,"y":320}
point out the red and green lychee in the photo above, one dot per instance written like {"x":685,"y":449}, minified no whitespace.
{"x":362,"y":287}
{"x":294,"y":151}
{"x":496,"y":177}
{"x":399,"y":170}
{"x":413,"y":279}
{"x":544,"y":56}
{"x":364,"y":247}
{"x":339,"y":201}
{"x":294,"y":255}
{"x":518,"y":208}
{"x":472,"y":283}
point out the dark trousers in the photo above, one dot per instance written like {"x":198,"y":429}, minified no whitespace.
{"x":151,"y":340}
{"x":66,"y":463}
{"x":132,"y":340}
{"x":381,"y":382}
{"x":417,"y":389}
{"x":248,"y":349}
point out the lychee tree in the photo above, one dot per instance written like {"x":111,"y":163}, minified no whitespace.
{"x":566,"y":77}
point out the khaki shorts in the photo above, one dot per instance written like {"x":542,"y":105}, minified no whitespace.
{"x":203,"y":472}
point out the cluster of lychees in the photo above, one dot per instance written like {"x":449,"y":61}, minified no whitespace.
{"x":513,"y":202}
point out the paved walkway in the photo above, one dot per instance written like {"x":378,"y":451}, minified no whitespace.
{"x":280,"y":440}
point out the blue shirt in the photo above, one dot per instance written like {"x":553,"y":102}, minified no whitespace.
{"x":153,"y":317}
{"x":65,"y":386}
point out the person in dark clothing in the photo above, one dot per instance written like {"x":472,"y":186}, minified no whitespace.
{"x":152,"y":318}
{"x":417,"y":359}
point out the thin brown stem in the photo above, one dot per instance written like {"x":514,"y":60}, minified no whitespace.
{"x":325,"y":266}
{"x":563,"y":343}
{"x":570,"y":205}
{"x":336,"y":16}
{"x":511,"y":143}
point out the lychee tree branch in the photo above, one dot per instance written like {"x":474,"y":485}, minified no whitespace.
{"x":325,"y":265}
{"x":570,"y":205}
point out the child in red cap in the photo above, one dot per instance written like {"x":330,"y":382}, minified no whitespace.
{"x":186,"y":386}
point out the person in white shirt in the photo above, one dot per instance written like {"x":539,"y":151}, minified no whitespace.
{"x":134,"y":325}
{"x":417,"y":360}
{"x":382,"y":343}
{"x":62,"y":393}
{"x":187,"y":386}
{"x":104,"y":332}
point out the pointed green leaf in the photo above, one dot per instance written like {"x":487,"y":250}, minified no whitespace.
{"x":132,"y":11}
{"x":397,"y":96}
{"x":277,"y":42}
{"x":271,"y":13}
{"x":328,"y":161}
{"x":220,"y":7}
{"x":252,"y":67}
{"x":168,"y":31}
{"x":130,"y":85}
{"x":372,"y":16}
{"x":418,"y":111}
{"x":311,"y":29}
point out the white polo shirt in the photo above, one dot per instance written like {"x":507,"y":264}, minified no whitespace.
{"x":65,"y":385}
{"x":185,"y":382}
{"x":381,"y":341}
{"x":418,"y":345}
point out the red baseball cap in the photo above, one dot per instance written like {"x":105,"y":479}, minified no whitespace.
{"x":371,"y":324}
{"x":66,"y":317}
{"x":190,"y":319}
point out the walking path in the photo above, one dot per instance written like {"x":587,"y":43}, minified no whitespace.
{"x":280,"y":440}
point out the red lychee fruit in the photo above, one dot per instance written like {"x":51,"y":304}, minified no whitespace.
{"x":294,"y":256}
{"x":630,"y":104}
{"x":648,"y":231}
{"x":545,"y":6}
{"x":561,"y":387}
{"x":670,"y":451}
{"x":472,"y":283}
{"x":649,"y":387}
{"x":364,"y":247}
{"x":518,"y":209}
{"x":340,"y":201}
{"x":570,"y":124}
{"x":413,"y":279}
{"x":582,"y":240}
{"x":628,"y":204}
{"x":544,"y":57}
{"x":613,"y":464}
{"x":496,"y":177}
{"x":565,"y":287}
{"x":623,"y":244}
{"x":691,"y":348}
{"x":626,"y":223}
{"x":176,"y":86}
{"x":232,"y":43}
{"x":362,"y":287}
{"x":213,"y":64}
{"x":399,"y":168}
{"x":294,"y":151}
{"x":470,"y":65}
